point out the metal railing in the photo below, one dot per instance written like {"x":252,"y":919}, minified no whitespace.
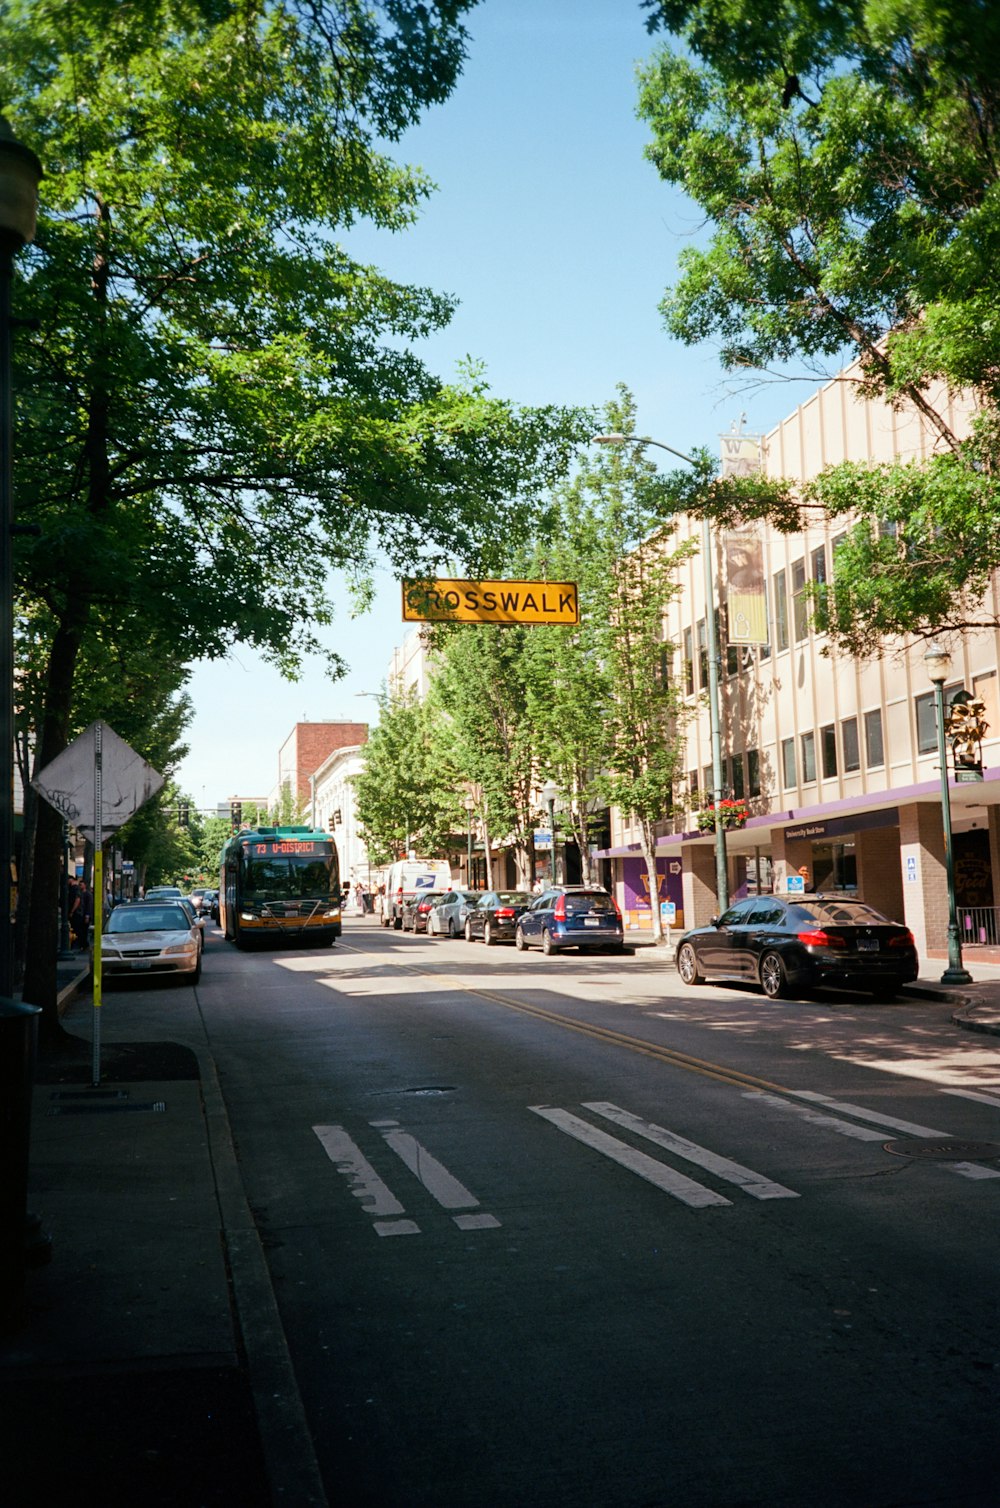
{"x":979,"y":926}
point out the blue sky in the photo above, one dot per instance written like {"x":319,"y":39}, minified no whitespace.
{"x":558,"y":239}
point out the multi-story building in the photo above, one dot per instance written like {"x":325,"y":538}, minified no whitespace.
{"x":305,"y":749}
{"x":836,"y":758}
{"x":332,"y":807}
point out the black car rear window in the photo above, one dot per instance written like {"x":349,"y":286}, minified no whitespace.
{"x":513,"y":897}
{"x":846,"y":913}
{"x":588,"y":900}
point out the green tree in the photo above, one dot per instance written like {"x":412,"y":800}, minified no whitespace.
{"x":406,"y":794}
{"x":219,"y":402}
{"x":628,"y":749}
{"x":847,"y":160}
{"x":480,"y":687}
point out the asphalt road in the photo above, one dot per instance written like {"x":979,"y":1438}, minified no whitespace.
{"x":561,"y":1231}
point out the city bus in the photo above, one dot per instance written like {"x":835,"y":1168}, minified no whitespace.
{"x":280,"y":884}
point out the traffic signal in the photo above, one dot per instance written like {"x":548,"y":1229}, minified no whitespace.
{"x":183,"y":814}
{"x":236,"y":812}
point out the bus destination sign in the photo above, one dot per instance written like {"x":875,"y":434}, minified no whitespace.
{"x":445,"y":601}
{"x":284,"y":846}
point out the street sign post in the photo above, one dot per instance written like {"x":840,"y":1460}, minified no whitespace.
{"x":97,"y":783}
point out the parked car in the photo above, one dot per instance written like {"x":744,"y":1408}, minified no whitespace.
{"x":447,"y":917}
{"x":187,"y":906}
{"x":200,"y":899}
{"x":150,"y":938}
{"x":494,"y":916}
{"x":416,"y":908}
{"x":571,"y":916}
{"x":164,"y":893}
{"x":787,"y":944}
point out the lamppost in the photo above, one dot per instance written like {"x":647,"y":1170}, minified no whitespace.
{"x":548,"y":793}
{"x":469,"y":802}
{"x":712,"y":649}
{"x":938,"y":663}
{"x":20,"y":174}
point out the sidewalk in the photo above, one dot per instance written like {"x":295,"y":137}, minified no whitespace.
{"x":153,"y":1366}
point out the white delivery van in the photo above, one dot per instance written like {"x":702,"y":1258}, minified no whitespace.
{"x":408,"y":876}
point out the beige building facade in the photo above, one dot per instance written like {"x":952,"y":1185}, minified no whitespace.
{"x":836,"y":759}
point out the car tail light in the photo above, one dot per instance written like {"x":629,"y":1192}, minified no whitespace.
{"x":560,"y":912}
{"x":424,"y":906}
{"x":505,"y":911}
{"x":618,"y":909}
{"x":821,"y":940}
{"x":904,"y":940}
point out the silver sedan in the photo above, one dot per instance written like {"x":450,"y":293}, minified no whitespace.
{"x":447,"y":918}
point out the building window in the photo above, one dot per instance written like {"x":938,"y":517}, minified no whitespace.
{"x":800,"y":609}
{"x":927,"y":740}
{"x":808,"y":758}
{"x":753,"y":772}
{"x":693,"y":782}
{"x":780,"y":611}
{"x":688,"y":662}
{"x":788,"y":776}
{"x":707,"y":783}
{"x":738,"y":783}
{"x":818,"y":559}
{"x":874,"y":750}
{"x":828,"y":744}
{"x":849,"y":744}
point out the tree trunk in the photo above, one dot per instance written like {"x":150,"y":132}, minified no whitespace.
{"x":43,"y":911}
{"x":648,"y":844}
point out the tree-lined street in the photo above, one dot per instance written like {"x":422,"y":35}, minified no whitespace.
{"x":552,"y":1230}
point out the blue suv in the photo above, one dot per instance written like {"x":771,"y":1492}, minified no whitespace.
{"x":571,"y":916}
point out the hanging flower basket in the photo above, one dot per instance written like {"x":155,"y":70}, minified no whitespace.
{"x":733,"y":813}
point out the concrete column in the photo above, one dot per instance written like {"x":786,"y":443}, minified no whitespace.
{"x":925,"y":884}
{"x":698,"y":880}
{"x":880,"y":870}
{"x":994,"y":831}
{"x":788,"y":856}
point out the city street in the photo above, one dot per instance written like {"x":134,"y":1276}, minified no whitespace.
{"x":552,"y":1231}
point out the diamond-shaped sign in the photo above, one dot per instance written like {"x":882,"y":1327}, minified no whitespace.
{"x":69,"y":783}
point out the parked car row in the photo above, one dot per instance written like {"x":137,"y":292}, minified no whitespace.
{"x":563,"y":916}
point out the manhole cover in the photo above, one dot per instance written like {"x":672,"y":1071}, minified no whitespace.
{"x":431,"y":1089}
{"x":948,"y":1150}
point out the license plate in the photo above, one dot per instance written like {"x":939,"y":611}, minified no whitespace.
{"x":141,"y":963}
{"x":867,"y":944}
{"x":591,"y":921}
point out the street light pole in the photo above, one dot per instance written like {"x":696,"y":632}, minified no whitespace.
{"x":938,"y":663}
{"x":712,"y":651}
{"x":469,"y":802}
{"x":548,"y":793}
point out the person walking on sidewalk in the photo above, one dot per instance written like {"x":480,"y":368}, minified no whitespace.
{"x":83,"y":915}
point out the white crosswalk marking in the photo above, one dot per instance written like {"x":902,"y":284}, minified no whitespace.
{"x":750,"y":1182}
{"x":843,"y":1128}
{"x":910,"y":1128}
{"x":654,"y":1172}
{"x":436,"y":1179}
{"x":376,"y":1197}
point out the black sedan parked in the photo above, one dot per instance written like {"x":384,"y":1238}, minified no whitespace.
{"x":785,"y":944}
{"x":416,"y":908}
{"x":494,"y":916}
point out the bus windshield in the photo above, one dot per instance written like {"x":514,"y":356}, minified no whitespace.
{"x":288,"y":877}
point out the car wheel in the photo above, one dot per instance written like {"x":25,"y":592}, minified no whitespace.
{"x":547,"y":947}
{"x":468,"y":931}
{"x":197,"y":973}
{"x":451,"y":928}
{"x":687,"y":965}
{"x":773,"y":979}
{"x":488,"y":938}
{"x":520,"y":942}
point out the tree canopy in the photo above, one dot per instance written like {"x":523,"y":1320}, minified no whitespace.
{"x":847,"y":159}
{"x":219,"y":403}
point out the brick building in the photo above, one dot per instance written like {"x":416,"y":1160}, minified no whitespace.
{"x":305,"y":749}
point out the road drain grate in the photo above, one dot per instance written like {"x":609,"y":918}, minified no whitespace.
{"x":947,"y":1151}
